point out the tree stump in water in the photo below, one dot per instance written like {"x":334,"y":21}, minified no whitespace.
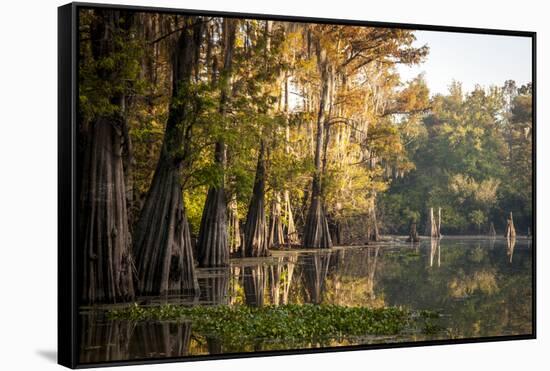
{"x":413,"y":234}
{"x":433,"y":228}
{"x":510,"y":231}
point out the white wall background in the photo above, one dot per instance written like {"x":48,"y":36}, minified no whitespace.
{"x":28,"y":181}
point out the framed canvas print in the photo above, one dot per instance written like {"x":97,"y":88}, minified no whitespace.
{"x":236,"y":185}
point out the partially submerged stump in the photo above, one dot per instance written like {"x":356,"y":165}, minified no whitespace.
{"x":433,"y":228}
{"x":510,"y":231}
{"x":413,"y":234}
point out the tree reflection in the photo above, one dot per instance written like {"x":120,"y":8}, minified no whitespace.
{"x":105,"y":340}
{"x":214,"y":284}
{"x":254,"y":282}
{"x":161,"y":339}
{"x":510,"y":245}
{"x":314,"y":273}
{"x":435,"y":248}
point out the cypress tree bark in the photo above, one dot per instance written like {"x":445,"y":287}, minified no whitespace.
{"x":292,"y":237}
{"x":255,"y":229}
{"x":212,"y":245}
{"x":163,"y":241}
{"x":276,"y":237}
{"x":104,"y":233}
{"x":234,"y":227}
{"x":316,"y":232}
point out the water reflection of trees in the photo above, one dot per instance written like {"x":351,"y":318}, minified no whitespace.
{"x":478,"y":290}
{"x":435,"y":248}
{"x":105,"y":340}
{"x":280,"y":279}
{"x":314,"y":269}
{"x":214,"y":284}
{"x":510,"y":245}
{"x":352,"y":279}
{"x":254,"y":280}
{"x":161,"y":339}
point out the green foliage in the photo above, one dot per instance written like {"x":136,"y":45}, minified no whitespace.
{"x":283,"y":323}
{"x":112,"y":74}
{"x":473,"y":160}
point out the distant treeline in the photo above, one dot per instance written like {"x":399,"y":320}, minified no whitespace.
{"x":473,"y":158}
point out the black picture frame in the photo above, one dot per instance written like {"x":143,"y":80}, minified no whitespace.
{"x":68,"y":331}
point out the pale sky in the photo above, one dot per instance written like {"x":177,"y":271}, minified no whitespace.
{"x":471,"y":59}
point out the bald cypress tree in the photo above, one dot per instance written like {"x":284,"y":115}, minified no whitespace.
{"x":213,"y":244}
{"x":162,"y":239}
{"x":104,"y":234}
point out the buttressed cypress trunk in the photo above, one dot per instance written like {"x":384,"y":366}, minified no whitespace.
{"x":255,"y":229}
{"x":162,"y":240}
{"x":103,"y":232}
{"x":213,"y":244}
{"x":316,"y":231}
{"x":276,"y":236}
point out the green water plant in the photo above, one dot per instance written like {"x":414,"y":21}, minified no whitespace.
{"x":287,"y":322}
